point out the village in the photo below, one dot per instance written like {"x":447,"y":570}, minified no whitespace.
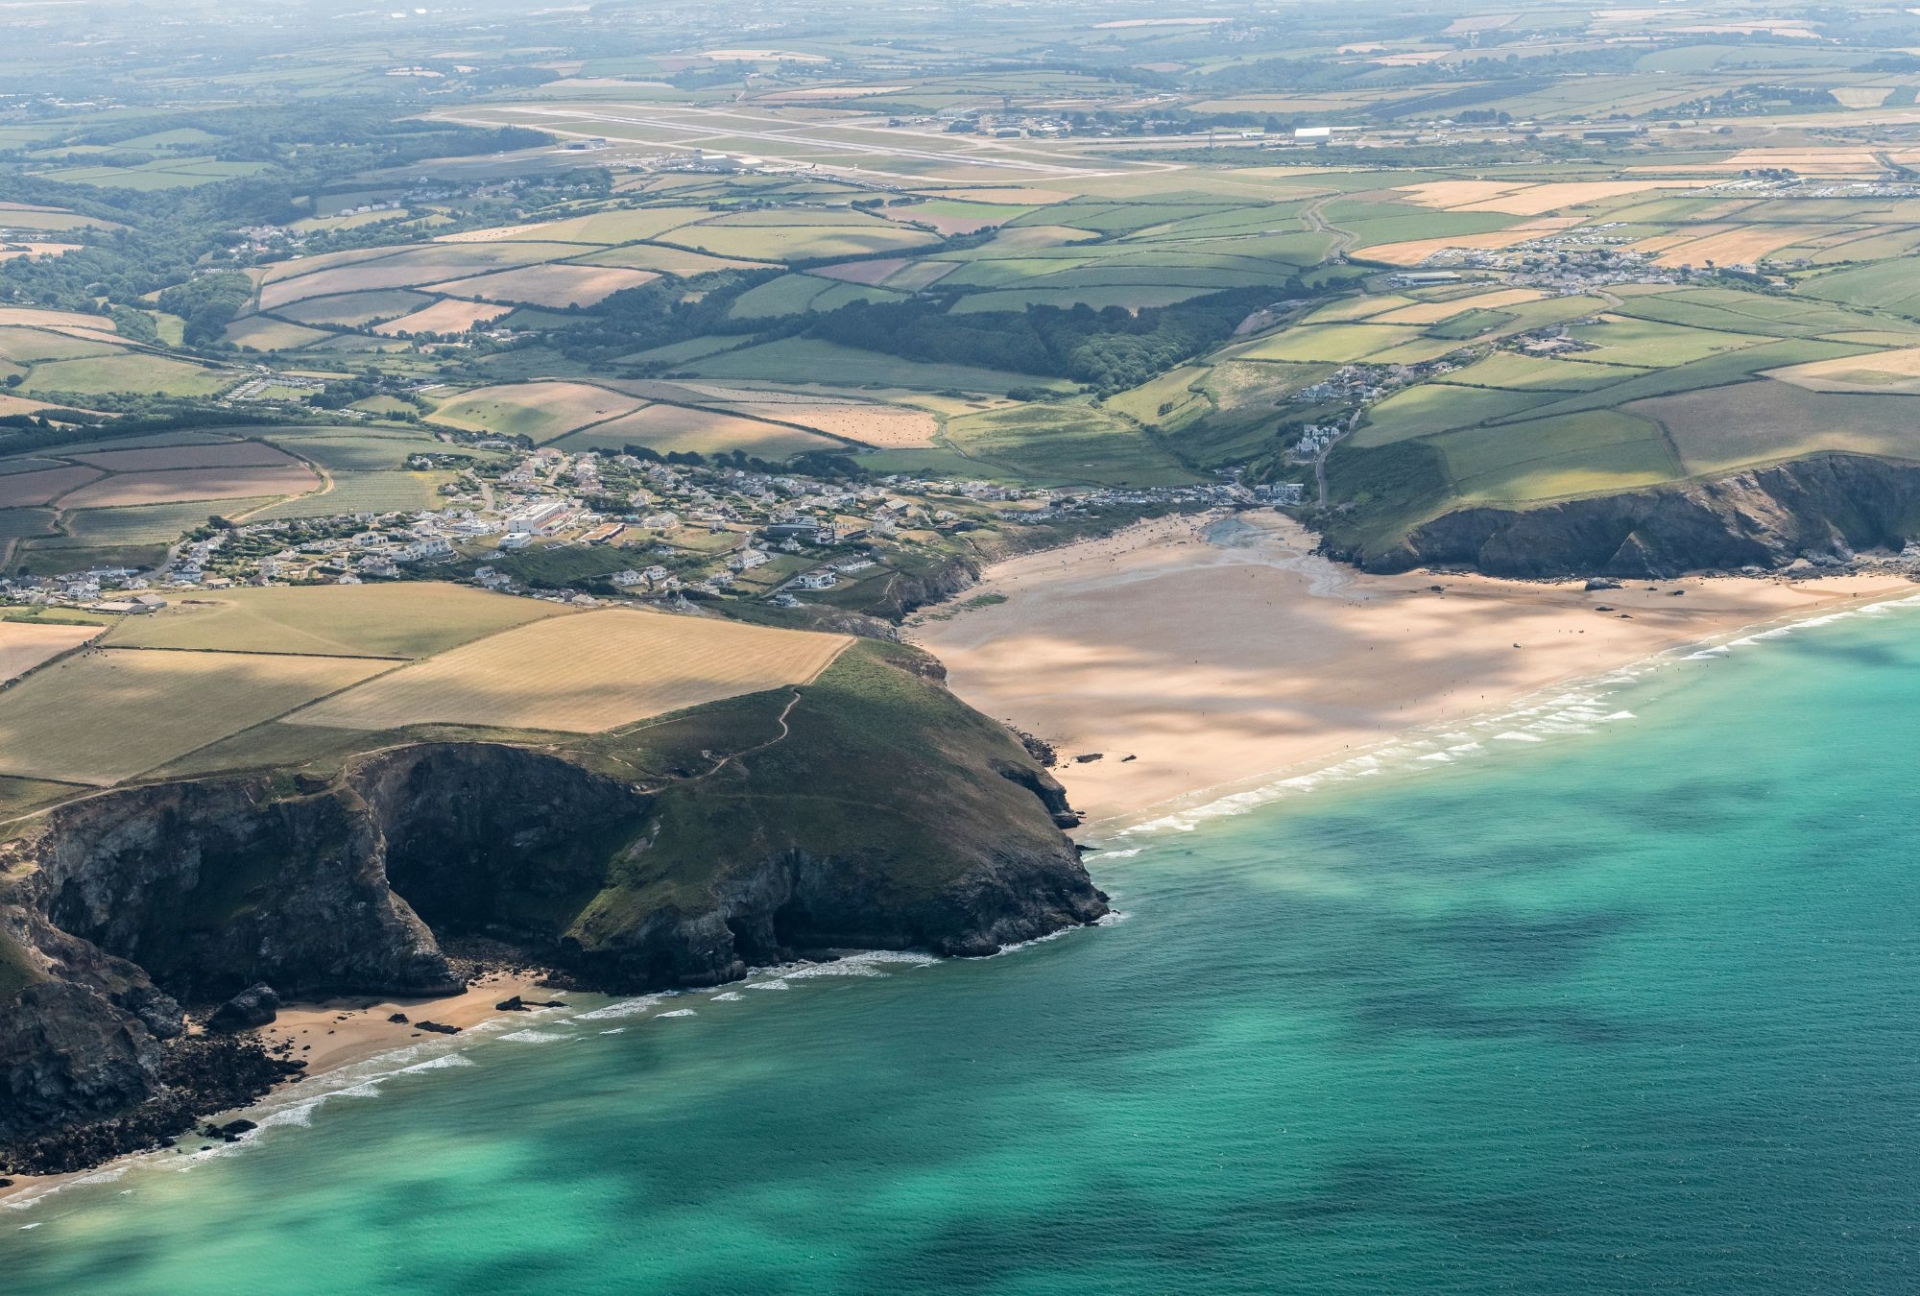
{"x":592,"y":528}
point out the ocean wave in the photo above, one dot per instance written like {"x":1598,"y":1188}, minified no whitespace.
{"x":727,"y":996}
{"x":1557,"y":713}
{"x":677,"y":1012}
{"x":623,"y":1008}
{"x":437,"y":1064}
{"x":775,"y":984}
{"x":535,"y":1037}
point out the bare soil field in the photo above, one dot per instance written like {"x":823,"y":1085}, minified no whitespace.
{"x":448,"y":316}
{"x":583,"y":674}
{"x":551,"y":285}
{"x":19,"y":490}
{"x":232,"y":454}
{"x":126,"y":489}
{"x":862,"y":272}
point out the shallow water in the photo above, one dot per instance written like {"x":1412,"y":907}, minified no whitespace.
{"x":1630,"y":1008}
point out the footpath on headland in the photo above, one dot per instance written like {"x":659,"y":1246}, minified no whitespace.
{"x":1195,"y":657}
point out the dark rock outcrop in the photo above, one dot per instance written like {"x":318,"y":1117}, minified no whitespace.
{"x":257,"y":1005}
{"x":1824,"y":509}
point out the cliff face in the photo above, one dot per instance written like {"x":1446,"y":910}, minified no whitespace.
{"x":880,"y":813}
{"x":1829,"y":506}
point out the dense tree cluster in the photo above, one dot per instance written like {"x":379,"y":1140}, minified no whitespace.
{"x":1108,"y":349}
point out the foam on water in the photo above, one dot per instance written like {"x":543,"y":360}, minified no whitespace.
{"x":1560,"y":712}
{"x":535,"y":1037}
{"x":622,"y":1008}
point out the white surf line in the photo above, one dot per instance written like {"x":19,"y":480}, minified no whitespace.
{"x":1568,"y":708}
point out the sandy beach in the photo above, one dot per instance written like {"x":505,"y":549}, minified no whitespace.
{"x":335,"y":1033}
{"x":1219,"y":663}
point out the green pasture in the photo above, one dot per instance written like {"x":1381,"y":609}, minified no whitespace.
{"x":1066,"y":443}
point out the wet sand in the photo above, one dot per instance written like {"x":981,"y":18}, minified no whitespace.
{"x":1219,"y":664}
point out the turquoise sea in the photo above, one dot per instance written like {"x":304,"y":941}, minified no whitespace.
{"x":1634,"y":1007}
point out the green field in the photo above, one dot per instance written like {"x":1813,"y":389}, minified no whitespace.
{"x":402,"y":621}
{"x":132,"y":372}
{"x":1069,"y":442}
{"x":1554,"y":458}
{"x":804,"y":361}
{"x":365,"y":492}
{"x":70,"y":721}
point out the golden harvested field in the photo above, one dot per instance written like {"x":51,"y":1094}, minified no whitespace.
{"x":612,"y":227}
{"x":673,"y":427}
{"x":1414,"y":251}
{"x":1807,"y":161}
{"x":449,"y":316}
{"x":1536,"y":200}
{"x":24,"y":645}
{"x":230,"y":454}
{"x":416,"y":619}
{"x":1443,"y":194}
{"x":541,"y":410}
{"x":1736,"y":246}
{"x":1434,"y":312}
{"x":550,"y":285}
{"x":1881,"y":371}
{"x":21,"y":405}
{"x":26,"y":317}
{"x":884,"y":426}
{"x":583,"y":674}
{"x":18,"y":490}
{"x":126,"y":489}
{"x":492,"y":234}
{"x":107,"y":715}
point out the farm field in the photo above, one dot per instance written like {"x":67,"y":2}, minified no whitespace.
{"x":449,"y":315}
{"x":549,"y":285}
{"x":584,"y":673}
{"x":416,"y":619}
{"x":25,"y":645}
{"x":137,"y":488}
{"x":126,"y":372}
{"x":68,"y":722}
{"x":669,"y":428}
{"x":540,"y":410}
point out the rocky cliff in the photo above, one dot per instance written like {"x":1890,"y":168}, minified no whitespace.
{"x":1827,"y":507}
{"x":869,"y":810}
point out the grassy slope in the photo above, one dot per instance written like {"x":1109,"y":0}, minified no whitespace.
{"x":880,"y":766}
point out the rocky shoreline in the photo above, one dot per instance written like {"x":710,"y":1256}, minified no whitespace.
{"x":116,"y":909}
